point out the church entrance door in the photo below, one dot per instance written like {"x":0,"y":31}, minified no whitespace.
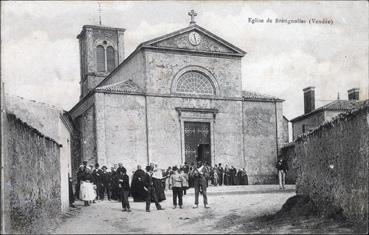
{"x":197,"y":142}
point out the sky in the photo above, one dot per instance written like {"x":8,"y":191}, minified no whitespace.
{"x":40,"y":53}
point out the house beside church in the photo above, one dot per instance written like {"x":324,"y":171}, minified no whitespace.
{"x":314,"y":117}
{"x":176,"y":98}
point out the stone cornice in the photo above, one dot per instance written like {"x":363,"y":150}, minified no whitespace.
{"x":189,"y":51}
{"x":179,"y":109}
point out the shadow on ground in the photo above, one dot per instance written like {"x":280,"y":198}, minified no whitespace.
{"x":298,"y":215}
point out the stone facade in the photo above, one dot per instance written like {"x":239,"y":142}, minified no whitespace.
{"x":32,"y":190}
{"x":137,"y":114}
{"x":50,"y":121}
{"x":332,"y":164}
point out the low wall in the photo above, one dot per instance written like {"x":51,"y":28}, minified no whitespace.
{"x":332,"y":164}
{"x":32,"y":178}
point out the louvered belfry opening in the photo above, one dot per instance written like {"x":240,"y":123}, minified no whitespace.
{"x":100,"y":58}
{"x":110,"y":58}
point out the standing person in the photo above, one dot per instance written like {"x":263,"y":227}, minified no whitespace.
{"x":157,"y":177}
{"x":215,"y":175}
{"x":137,"y":187}
{"x":123,"y":185}
{"x":176,"y":183}
{"x":93,"y":184}
{"x":185,"y":181}
{"x":106,"y":183}
{"x":87,"y":192}
{"x":221,"y":174}
{"x":232,"y":175}
{"x":239,"y":177}
{"x":208,"y":173}
{"x":245,"y":179}
{"x":226,"y":175}
{"x":190,"y":177}
{"x":198,"y":174}
{"x":121,"y":167}
{"x":97,"y":180}
{"x":282,"y":168}
{"x":168,"y":173}
{"x":80,"y":173}
{"x":149,"y":187}
{"x":113,"y":190}
{"x":71,"y":194}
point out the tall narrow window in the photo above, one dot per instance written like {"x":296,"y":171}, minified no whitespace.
{"x":100,"y":58}
{"x":110,"y":58}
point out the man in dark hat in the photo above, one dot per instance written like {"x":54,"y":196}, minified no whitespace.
{"x":282,"y":167}
{"x":121,"y":167}
{"x":220,"y":174}
{"x":106,"y":182}
{"x":198,"y":173}
{"x":97,"y":180}
{"x":113,"y":184}
{"x":123,"y":185}
{"x":149,"y":187}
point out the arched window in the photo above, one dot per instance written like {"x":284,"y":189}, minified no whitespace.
{"x":100,"y":58}
{"x":110,"y":58}
{"x":193,"y":82}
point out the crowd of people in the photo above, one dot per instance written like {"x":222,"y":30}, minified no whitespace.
{"x":95,"y":183}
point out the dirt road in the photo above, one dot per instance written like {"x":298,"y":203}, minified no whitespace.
{"x":107,"y":217}
{"x":233,"y":210}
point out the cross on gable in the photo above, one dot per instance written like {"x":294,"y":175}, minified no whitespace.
{"x":193,"y":14}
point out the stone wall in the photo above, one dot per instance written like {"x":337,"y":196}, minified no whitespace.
{"x":51,"y":122}
{"x":32,"y":174}
{"x":121,"y":130}
{"x":88,"y":135}
{"x":332,"y":164}
{"x":260,"y":141}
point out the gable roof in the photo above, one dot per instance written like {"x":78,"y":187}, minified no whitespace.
{"x":337,"y":105}
{"x":127,"y":86}
{"x":194,"y":27}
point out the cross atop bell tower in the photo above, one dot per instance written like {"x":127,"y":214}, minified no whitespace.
{"x":193,"y":14}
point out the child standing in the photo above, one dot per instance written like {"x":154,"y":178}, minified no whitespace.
{"x":175,"y":183}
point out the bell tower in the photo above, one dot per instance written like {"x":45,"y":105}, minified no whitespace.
{"x":101,"y":50}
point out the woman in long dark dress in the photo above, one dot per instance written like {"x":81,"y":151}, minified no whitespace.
{"x":239,"y":177}
{"x":244,"y":177}
{"x":137,"y":186}
{"x":226,"y":175}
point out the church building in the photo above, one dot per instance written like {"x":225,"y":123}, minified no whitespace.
{"x":176,"y":98}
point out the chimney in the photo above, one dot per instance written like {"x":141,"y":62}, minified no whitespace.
{"x":309,"y":99}
{"x":353,"y":94}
